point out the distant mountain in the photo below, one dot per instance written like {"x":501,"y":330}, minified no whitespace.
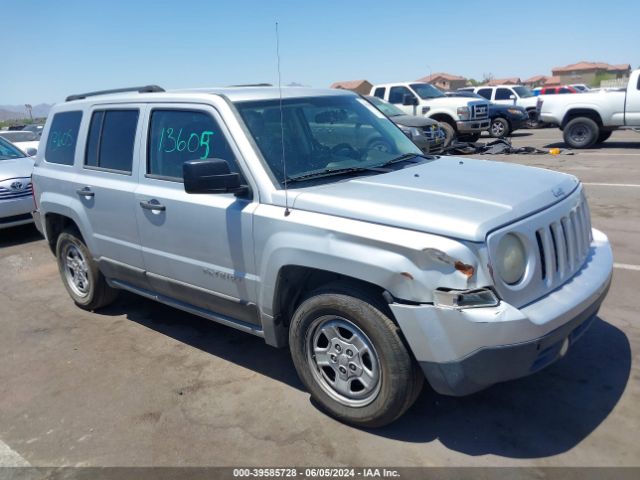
{"x":18,"y":112}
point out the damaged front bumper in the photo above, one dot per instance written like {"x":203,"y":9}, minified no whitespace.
{"x":462,"y":351}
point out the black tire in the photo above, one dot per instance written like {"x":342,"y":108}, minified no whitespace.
{"x":96,"y":293}
{"x":400,"y":379}
{"x":604,"y":136}
{"x":532,"y":121}
{"x":581,"y":132}
{"x":449,"y":133}
{"x":499,"y":128}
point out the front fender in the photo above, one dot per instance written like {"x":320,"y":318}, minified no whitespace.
{"x":403,"y":262}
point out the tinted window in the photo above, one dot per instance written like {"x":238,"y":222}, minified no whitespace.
{"x":426,"y":91}
{"x":379,"y":92}
{"x":503,"y":94}
{"x":485,"y":92}
{"x":564,"y":90}
{"x":112,"y":134}
{"x":177,"y":136}
{"x":8,"y":151}
{"x":396,"y":94}
{"x":19,"y":136}
{"x":63,"y":135}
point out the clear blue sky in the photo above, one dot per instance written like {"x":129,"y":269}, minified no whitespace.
{"x":54,"y":48}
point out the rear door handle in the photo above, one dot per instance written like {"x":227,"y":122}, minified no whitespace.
{"x":153,"y":205}
{"x":85,"y":192}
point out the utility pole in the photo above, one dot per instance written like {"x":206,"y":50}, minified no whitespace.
{"x":29,"y":108}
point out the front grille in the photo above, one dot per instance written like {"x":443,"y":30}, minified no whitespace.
{"x":433,"y":132}
{"x":563,"y":244}
{"x":8,"y":193}
{"x":480,"y":111}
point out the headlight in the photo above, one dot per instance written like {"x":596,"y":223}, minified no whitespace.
{"x":515,"y":111}
{"x":512,"y":259}
{"x":411,"y":132}
{"x":463,"y":113}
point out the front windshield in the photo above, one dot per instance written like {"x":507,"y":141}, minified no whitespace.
{"x":8,"y":151}
{"x":387,"y":108}
{"x":323,"y":134}
{"x":19,"y":136}
{"x":426,"y":91}
{"x":523,"y":92}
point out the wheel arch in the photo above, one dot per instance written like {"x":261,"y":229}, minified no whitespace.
{"x":581,"y":112}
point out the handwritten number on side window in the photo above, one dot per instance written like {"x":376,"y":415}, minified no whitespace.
{"x":169,"y":143}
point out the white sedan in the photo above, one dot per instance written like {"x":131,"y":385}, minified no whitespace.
{"x":23,"y":139}
{"x":16,"y":193}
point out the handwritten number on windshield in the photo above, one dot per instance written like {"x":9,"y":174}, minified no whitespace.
{"x":172,"y":141}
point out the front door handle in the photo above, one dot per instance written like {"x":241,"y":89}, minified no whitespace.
{"x":154,"y":205}
{"x":85,"y":192}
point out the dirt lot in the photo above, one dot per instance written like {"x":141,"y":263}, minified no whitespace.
{"x":144,"y":384}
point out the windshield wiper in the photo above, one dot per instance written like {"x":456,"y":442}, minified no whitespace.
{"x":329,"y":172}
{"x":412,"y":157}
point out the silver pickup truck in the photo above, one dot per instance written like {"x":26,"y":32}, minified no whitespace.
{"x":377,"y":265}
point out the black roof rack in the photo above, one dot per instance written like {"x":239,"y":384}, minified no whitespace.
{"x":145,"y":89}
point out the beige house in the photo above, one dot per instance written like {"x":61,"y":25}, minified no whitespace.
{"x":504,"y":81}
{"x":363,"y":87}
{"x":445,"y":81}
{"x":587,"y":72}
{"x":535,"y":81}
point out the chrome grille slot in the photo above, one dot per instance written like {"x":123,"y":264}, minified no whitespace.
{"x":8,"y":194}
{"x":559,"y":241}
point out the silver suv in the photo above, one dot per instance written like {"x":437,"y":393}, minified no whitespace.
{"x":310,"y":219}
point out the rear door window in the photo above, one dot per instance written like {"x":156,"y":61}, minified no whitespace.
{"x":503,"y":94}
{"x":111,"y":139}
{"x":379,"y":92}
{"x":485,"y":92}
{"x":62,"y":139}
{"x":177,"y":136}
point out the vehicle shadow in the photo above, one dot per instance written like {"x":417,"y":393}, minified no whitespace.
{"x":215,"y":339}
{"x":601,"y":146}
{"x":10,"y":237}
{"x":538,"y":416}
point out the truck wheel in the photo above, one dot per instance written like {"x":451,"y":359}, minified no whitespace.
{"x":581,"y":132}
{"x":499,"y":128}
{"x":80,"y":275}
{"x":351,"y":357}
{"x":532,"y":122}
{"x":449,"y":133}
{"x":604,"y":136}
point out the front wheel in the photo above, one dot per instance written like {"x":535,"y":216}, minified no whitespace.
{"x":604,"y":136}
{"x":84,"y":282}
{"x":351,"y":357}
{"x":499,"y":128}
{"x":449,"y":133}
{"x":581,"y":132}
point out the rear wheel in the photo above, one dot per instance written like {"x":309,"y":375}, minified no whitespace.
{"x":80,"y":275}
{"x":351,"y":357}
{"x":581,"y":132}
{"x":499,"y":128}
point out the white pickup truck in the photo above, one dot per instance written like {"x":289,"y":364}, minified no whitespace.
{"x":457,"y":116}
{"x":589,"y":118}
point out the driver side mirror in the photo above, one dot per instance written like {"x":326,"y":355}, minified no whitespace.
{"x":32,"y":152}
{"x":211,"y":176}
{"x":408,"y":99}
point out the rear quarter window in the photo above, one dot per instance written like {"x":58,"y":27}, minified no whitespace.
{"x":63,"y":137}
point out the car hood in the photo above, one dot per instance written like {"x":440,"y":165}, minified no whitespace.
{"x":16,"y":168}
{"x":455,"y":197}
{"x":413,"y":121}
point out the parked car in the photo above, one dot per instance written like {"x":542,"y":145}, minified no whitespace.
{"x":581,"y":87}
{"x":35,"y":128}
{"x":16,"y":197}
{"x":425,"y":132}
{"x":505,"y":119}
{"x":25,"y":141}
{"x":558,"y":90}
{"x":591,"y":117}
{"x":458,"y":117}
{"x":509,"y":95}
{"x":376,"y":267}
